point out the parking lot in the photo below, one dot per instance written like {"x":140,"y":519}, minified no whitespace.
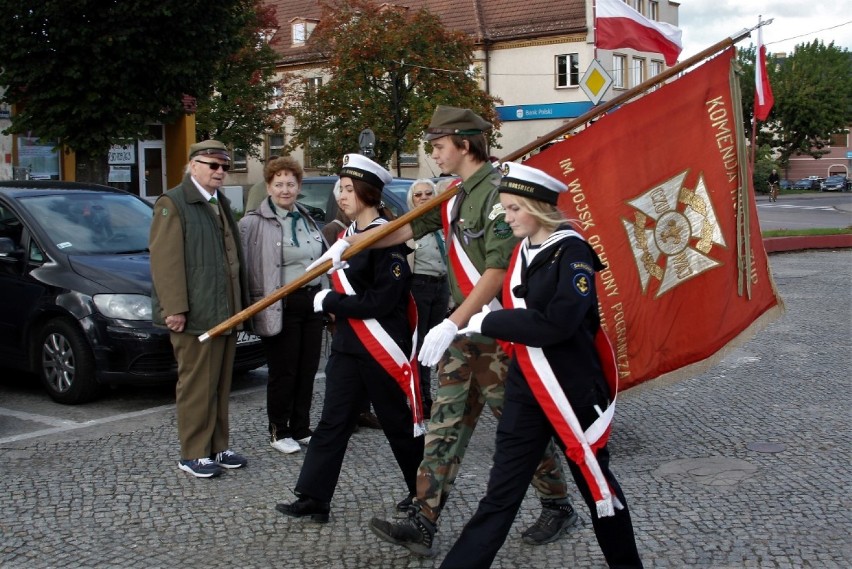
{"x":745,"y":465}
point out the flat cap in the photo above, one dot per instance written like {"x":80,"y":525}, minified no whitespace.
{"x":454,"y":120}
{"x":529,"y":182}
{"x":209,"y":148}
{"x":360,"y":167}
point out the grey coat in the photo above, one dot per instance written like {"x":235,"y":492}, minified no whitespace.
{"x":260,"y":233}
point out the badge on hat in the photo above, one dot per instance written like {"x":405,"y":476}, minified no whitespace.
{"x":529,"y":182}
{"x":359,"y":167}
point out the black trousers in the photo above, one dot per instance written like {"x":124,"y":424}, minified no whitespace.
{"x":292,"y":357}
{"x":522,"y":434}
{"x":348,"y":379}
{"x":432,"y":297}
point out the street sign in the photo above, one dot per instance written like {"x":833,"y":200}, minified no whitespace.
{"x":595,"y":82}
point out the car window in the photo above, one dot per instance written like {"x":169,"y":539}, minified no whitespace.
{"x":92,"y":223}
{"x":314,"y":197}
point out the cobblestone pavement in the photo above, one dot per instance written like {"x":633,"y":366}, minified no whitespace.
{"x":746,"y":465}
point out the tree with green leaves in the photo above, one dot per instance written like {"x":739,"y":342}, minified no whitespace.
{"x":813,"y":99}
{"x":242,"y":104}
{"x":389,"y":67}
{"x":812,"y":88}
{"x":93,"y":73}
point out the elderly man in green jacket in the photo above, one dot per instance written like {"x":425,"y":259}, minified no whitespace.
{"x":198,"y":281}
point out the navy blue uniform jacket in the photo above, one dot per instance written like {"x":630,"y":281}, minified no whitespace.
{"x":382,"y":282}
{"x":561,"y":318}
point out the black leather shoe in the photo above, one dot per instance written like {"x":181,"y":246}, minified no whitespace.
{"x":369,"y":420}
{"x":318,"y":511}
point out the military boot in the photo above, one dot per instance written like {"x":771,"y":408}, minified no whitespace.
{"x":557,"y":517}
{"x":414,"y":533}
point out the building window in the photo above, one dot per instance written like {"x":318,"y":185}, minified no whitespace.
{"x":619,"y":71}
{"x":37,"y":159}
{"x":656,"y":69}
{"x":567,"y":70}
{"x":302,"y":31}
{"x":310,"y":161}
{"x":313,"y":83}
{"x":638,"y":70}
{"x":239,"y":160}
{"x":654,"y":10}
{"x":274,"y":144}
{"x":840,"y":140}
{"x":640,"y":7}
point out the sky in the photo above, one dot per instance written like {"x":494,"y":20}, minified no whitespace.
{"x":706,"y":22}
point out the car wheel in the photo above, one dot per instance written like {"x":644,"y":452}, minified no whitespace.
{"x":66,"y":363}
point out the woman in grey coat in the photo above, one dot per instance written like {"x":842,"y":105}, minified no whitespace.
{"x":280,"y":239}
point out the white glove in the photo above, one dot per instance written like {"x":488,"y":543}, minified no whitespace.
{"x":319,"y":297}
{"x":436,"y":342}
{"x":474,"y":325}
{"x":334,"y":253}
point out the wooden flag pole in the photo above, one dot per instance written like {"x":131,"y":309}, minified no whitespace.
{"x":629,"y":94}
{"x":369,"y":238}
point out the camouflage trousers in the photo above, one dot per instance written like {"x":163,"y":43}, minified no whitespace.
{"x":470,"y":374}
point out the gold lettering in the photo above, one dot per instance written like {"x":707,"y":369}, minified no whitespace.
{"x":567,"y":166}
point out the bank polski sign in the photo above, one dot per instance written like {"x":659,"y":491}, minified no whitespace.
{"x":543,"y":111}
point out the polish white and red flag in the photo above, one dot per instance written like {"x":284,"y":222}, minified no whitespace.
{"x":619,"y":26}
{"x":763,"y":99}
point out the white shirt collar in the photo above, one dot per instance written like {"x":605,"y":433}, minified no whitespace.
{"x":207,"y":195}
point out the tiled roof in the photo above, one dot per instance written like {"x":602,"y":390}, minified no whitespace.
{"x":483,"y":20}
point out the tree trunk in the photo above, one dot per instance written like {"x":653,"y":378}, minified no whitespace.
{"x":93,"y":169}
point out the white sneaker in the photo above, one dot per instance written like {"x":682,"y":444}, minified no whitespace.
{"x":304,"y":441}
{"x":287,"y":446}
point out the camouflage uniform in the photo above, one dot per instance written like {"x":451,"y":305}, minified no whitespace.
{"x":473,"y":370}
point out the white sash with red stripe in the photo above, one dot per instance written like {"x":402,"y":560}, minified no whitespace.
{"x":463,"y":268}
{"x":580,"y":446}
{"x":385,"y":350}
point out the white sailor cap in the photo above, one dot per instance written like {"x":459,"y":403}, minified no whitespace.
{"x":359,"y":167}
{"x":529,"y":182}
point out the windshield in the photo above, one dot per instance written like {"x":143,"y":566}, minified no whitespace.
{"x":92,"y":223}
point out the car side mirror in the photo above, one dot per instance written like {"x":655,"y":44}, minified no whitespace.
{"x":7,"y":248}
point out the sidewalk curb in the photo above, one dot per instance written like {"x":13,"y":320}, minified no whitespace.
{"x":802,"y":242}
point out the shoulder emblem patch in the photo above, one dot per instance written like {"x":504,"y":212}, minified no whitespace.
{"x":581,"y":284}
{"x":396,"y":270}
{"x":496,"y":211}
{"x":502,"y":230}
{"x":165,"y":211}
{"x":581,"y":266}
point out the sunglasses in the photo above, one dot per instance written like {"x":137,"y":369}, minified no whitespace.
{"x":427,"y":194}
{"x":215,"y":165}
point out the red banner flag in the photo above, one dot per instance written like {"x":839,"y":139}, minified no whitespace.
{"x":655,"y":188}
{"x":763,"y":99}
